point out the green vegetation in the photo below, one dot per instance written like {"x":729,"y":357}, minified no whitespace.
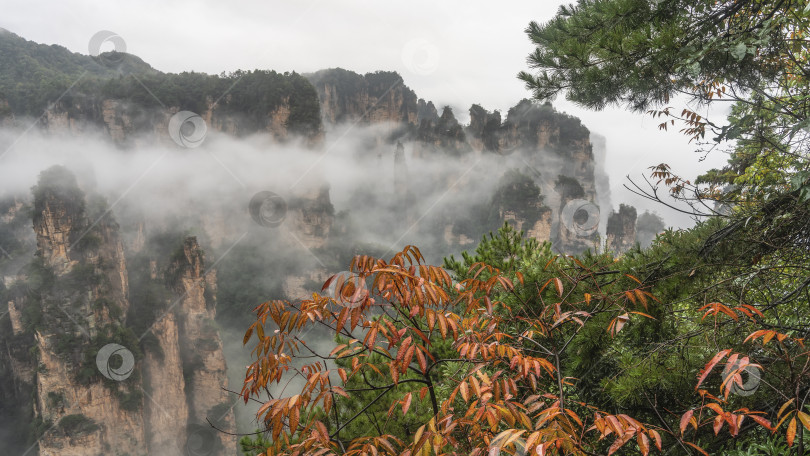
{"x":732,"y":290}
{"x":75,"y":425}
{"x":252,"y":95}
{"x":57,"y":182}
{"x":351,"y":86}
{"x":43,"y":74}
{"x":55,"y":400}
{"x":519,"y":194}
{"x":522,"y":128}
{"x":445,"y":135}
{"x":528,"y":117}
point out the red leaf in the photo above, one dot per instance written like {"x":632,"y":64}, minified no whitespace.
{"x":791,"y":431}
{"x":685,"y":420}
{"x":406,"y":403}
{"x":710,"y":365}
{"x":558,"y":283}
{"x":697,"y":448}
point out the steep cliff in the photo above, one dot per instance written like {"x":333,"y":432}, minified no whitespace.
{"x":87,"y":372}
{"x":346,"y":96}
{"x":82,"y":309}
{"x":621,"y":229}
{"x":310,"y":216}
{"x":204,"y":368}
{"x":440,"y":135}
{"x":553,"y":144}
{"x":134,"y":117}
{"x":132,"y":102}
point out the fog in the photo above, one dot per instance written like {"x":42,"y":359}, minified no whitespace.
{"x":452,"y":53}
{"x":206,"y":191}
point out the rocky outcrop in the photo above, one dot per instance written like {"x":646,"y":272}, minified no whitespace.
{"x":92,"y":382}
{"x":648,"y":226}
{"x":82,"y":309}
{"x":578,"y":217}
{"x":621,"y":229}
{"x":310,"y":216}
{"x":202,"y":359}
{"x":166,"y":411}
{"x":129,"y":125}
{"x":346,"y":96}
{"x":444,"y":135}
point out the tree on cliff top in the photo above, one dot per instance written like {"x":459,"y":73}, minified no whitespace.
{"x":642,"y":54}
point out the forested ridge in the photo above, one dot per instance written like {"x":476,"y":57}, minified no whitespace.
{"x":47,"y":77}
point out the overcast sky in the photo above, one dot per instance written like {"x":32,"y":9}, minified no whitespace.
{"x":451,"y":52}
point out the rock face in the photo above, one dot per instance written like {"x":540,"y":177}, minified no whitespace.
{"x":621,"y":229}
{"x":82,"y":309}
{"x":555,"y":145}
{"x":372,"y":98}
{"x":440,"y":135}
{"x":92,"y":382}
{"x":130,"y":125}
{"x":201,"y":347}
{"x":310,"y":216}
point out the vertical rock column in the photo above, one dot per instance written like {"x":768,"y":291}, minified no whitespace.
{"x":203,"y":361}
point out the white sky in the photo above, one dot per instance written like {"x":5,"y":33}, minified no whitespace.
{"x":451,"y":52}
